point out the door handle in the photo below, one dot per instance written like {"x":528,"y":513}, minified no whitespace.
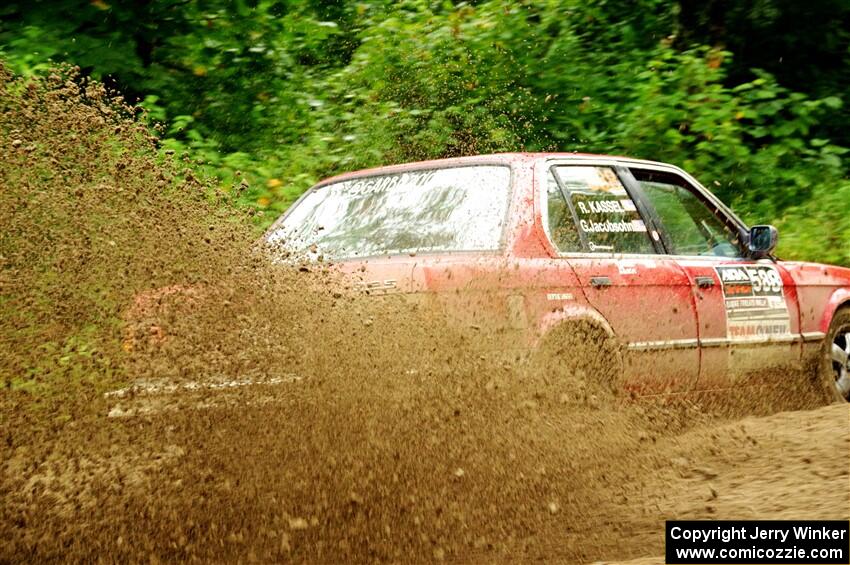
{"x":705,"y":282}
{"x":600,"y":282}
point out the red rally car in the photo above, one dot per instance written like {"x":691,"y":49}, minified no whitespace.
{"x":639,"y":249}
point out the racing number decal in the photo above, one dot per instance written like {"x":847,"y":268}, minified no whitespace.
{"x":755,"y":302}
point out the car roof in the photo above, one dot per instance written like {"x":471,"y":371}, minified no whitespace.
{"x":490,"y":159}
{"x":520,"y":158}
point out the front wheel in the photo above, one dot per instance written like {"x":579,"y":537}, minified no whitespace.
{"x":834,"y":369}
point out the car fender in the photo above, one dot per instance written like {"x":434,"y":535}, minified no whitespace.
{"x":579,"y":314}
{"x":572,"y":313}
{"x":839,"y":298}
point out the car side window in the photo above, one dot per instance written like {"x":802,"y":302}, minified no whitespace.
{"x":608,"y":220}
{"x":692,"y":227}
{"x":561,"y":226}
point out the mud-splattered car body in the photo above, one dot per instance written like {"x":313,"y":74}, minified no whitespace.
{"x":638,"y":249}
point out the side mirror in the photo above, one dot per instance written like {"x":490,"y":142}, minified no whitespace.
{"x":762,"y":241}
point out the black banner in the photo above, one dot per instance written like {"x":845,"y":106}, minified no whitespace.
{"x":816,"y":542}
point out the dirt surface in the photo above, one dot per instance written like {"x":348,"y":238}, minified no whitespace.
{"x":789,"y":466}
{"x":249,"y":490}
{"x":172,"y":393}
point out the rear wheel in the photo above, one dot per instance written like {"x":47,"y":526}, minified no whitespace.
{"x":580,"y":360}
{"x":834,"y":369}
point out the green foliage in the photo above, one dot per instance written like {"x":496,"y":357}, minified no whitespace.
{"x":271,"y":96}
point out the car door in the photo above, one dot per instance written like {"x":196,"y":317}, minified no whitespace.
{"x":747,"y":310}
{"x":596,"y":225}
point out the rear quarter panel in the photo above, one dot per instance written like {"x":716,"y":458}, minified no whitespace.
{"x":518,"y":297}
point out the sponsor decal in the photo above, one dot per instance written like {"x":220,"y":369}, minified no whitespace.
{"x":384,"y":183}
{"x":597,"y":179}
{"x":602,"y":204}
{"x":601,"y":207}
{"x":589,"y":226}
{"x":754,"y":297}
{"x":560,"y":296}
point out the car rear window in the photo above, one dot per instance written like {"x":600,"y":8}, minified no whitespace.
{"x":607,"y":217}
{"x":427,"y":211}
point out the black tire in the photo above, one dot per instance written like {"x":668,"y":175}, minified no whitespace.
{"x":833,"y":371}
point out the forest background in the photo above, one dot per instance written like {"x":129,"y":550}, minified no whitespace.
{"x":270,"y":96}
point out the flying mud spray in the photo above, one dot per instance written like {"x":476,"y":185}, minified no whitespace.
{"x":170,"y":393}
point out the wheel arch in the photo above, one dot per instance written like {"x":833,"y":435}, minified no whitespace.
{"x":598,"y":352}
{"x":839,"y":299}
{"x":573,"y":315}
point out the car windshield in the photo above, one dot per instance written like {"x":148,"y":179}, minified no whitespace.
{"x":437,"y":210}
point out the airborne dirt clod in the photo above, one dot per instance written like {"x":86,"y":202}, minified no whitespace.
{"x":172,"y":394}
